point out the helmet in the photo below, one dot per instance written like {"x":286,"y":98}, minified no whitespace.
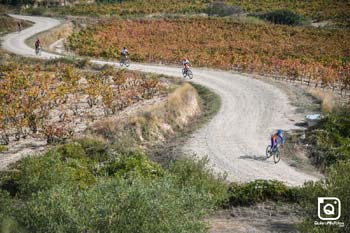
{"x":279,"y":132}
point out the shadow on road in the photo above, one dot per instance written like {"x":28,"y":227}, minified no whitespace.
{"x":253,"y":157}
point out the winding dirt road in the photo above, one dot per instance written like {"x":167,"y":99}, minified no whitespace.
{"x":235,"y":139}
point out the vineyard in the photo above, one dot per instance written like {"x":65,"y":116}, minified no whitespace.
{"x":53,"y":102}
{"x":317,"y":56}
{"x":337,"y":11}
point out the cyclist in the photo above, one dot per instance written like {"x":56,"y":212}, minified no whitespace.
{"x":124,"y":53}
{"x":277,"y":138}
{"x":186,"y":64}
{"x":19,"y":26}
{"x":37,"y":45}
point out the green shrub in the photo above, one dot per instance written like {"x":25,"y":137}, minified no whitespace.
{"x":7,"y":220}
{"x":282,"y":17}
{"x":132,"y":165}
{"x":5,"y":204}
{"x":196,"y":173}
{"x":337,"y":185}
{"x":72,"y":150}
{"x":260,"y":190}
{"x":87,"y":149}
{"x":44,"y":172}
{"x":330,"y":139}
{"x":117,"y":206}
{"x":96,"y":150}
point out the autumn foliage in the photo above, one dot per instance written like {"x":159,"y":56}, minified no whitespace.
{"x":294,"y":52}
{"x":50,"y":102}
{"x":338,"y":11}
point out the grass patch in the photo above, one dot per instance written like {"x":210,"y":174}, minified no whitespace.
{"x":210,"y":102}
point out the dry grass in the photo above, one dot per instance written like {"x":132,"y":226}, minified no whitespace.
{"x":181,"y":106}
{"x":155,"y":123}
{"x":327,"y":99}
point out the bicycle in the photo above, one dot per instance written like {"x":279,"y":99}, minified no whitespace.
{"x":275,"y":152}
{"x":125,"y":61}
{"x":187,"y":73}
{"x":38,"y":51}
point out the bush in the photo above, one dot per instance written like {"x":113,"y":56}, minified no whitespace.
{"x":44,"y":172}
{"x":221,"y":9}
{"x":5,"y":203}
{"x":117,"y":206}
{"x":72,"y":150}
{"x":7,"y":221}
{"x":133,"y":165}
{"x":96,"y":150}
{"x":196,"y":173}
{"x":330,"y":139}
{"x":59,"y":193}
{"x":260,"y":190}
{"x":282,"y":17}
{"x":337,"y":185}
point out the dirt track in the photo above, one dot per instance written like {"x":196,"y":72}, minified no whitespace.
{"x":235,"y":139}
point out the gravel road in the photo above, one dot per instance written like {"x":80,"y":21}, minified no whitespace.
{"x":236,"y":138}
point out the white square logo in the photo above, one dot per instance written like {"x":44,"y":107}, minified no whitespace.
{"x":329,"y":208}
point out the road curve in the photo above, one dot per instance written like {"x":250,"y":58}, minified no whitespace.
{"x":235,"y":139}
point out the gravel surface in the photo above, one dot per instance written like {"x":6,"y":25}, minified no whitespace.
{"x":236,"y":138}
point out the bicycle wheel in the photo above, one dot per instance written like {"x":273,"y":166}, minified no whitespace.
{"x":184,"y":73}
{"x":276,"y":156}
{"x":189,"y":74}
{"x":268,"y":151}
{"x":127,"y":63}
